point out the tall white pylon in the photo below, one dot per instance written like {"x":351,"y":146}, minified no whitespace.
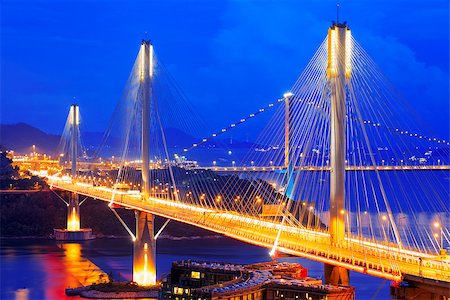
{"x":144,"y":248}
{"x":339,"y":69}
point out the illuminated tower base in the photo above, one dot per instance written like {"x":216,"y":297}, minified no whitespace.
{"x":144,"y":250}
{"x":73,"y":213}
{"x":73,"y":231}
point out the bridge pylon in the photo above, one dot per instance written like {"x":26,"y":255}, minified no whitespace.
{"x":144,"y":250}
{"x":73,"y":213}
{"x":338,"y":71}
{"x":74,"y":230}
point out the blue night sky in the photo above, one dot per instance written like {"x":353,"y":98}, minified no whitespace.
{"x":231,"y":57}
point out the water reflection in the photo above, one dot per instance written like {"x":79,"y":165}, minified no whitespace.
{"x":57,"y":275}
{"x":85,"y":271}
{"x":39,"y":269}
{"x":44,"y":268}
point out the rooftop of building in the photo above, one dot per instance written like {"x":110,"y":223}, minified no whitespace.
{"x":258,"y":276}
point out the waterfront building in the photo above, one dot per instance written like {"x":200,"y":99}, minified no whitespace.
{"x":200,"y":280}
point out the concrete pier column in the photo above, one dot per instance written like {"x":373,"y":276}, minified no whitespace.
{"x":144,"y":250}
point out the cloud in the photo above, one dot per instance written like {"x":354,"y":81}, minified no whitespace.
{"x":263,"y":46}
{"x":255,"y":58}
{"x":231,"y":57}
{"x":424,"y":86}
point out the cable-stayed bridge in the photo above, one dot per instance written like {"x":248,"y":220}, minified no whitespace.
{"x":314,"y":184}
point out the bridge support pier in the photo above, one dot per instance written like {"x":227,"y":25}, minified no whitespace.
{"x":74,"y":232}
{"x":336,"y":275}
{"x":144,"y":250}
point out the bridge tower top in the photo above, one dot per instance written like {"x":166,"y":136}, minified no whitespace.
{"x":339,"y":50}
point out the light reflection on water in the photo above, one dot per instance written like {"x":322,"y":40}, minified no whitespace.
{"x":35,"y":266}
{"x":45,"y":268}
{"x":85,"y":272}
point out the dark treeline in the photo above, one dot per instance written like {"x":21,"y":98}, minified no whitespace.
{"x":37,"y":214}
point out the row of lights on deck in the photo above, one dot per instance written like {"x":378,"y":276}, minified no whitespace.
{"x":250,"y":116}
{"x":408,"y":133}
{"x":287,"y":96}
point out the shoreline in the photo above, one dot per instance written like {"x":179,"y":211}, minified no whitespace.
{"x":164,"y":237}
{"x":94,"y":291}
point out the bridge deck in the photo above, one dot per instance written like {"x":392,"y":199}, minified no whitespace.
{"x":370,"y":257}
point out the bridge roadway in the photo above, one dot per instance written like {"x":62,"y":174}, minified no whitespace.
{"x":364,"y":256}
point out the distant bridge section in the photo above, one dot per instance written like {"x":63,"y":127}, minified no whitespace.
{"x":327,"y":168}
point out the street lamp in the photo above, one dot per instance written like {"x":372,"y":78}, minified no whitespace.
{"x":287,"y":95}
{"x":438,"y":225}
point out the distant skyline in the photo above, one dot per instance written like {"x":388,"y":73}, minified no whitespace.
{"x":229,"y":57}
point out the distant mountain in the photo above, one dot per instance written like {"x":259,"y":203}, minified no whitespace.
{"x":21,"y":137}
{"x":178,"y":138}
